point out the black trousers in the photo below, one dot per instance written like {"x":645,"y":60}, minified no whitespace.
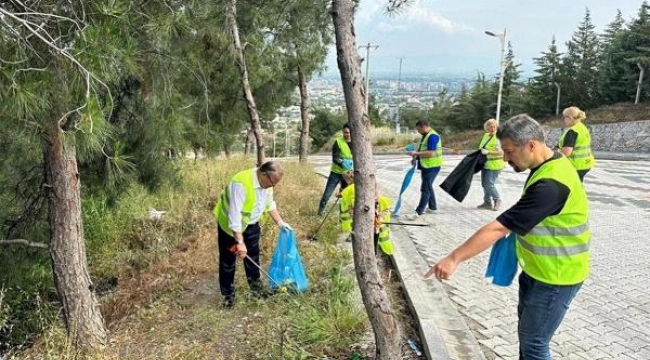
{"x":228,"y":259}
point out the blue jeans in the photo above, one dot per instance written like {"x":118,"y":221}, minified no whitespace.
{"x":332,"y":181}
{"x":488,"y":181}
{"x":427,"y":196}
{"x":541,"y":310}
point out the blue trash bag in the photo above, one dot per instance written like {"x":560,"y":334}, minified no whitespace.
{"x":410,"y":147}
{"x":286,"y":267}
{"x":405,"y":184}
{"x":502,"y":266}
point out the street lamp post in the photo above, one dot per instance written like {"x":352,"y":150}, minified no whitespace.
{"x":399,"y":99}
{"x":503,"y":38}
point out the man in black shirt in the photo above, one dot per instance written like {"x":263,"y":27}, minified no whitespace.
{"x":551,"y":224}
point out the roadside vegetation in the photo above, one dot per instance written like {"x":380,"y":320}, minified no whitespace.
{"x":158,"y":279}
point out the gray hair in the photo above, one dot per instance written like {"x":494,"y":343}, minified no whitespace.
{"x":521,"y":129}
{"x":272,"y":167}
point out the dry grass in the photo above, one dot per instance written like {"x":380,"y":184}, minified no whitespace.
{"x":608,"y":114}
{"x":171,"y":308}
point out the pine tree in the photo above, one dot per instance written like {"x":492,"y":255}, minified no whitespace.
{"x":511,"y":84}
{"x":542,"y":91}
{"x":619,"y":76}
{"x":611,"y":83}
{"x":580,"y":65}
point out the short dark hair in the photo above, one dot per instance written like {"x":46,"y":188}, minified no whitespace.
{"x":520,"y":129}
{"x":346,"y":126}
{"x":421,"y":123}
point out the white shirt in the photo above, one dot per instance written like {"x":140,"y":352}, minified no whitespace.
{"x":237,"y":197}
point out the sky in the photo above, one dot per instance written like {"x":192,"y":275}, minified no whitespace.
{"x":448,"y":36}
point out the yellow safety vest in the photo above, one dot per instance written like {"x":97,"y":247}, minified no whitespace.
{"x":494,"y":162}
{"x":346,"y":154}
{"x":556,"y":251}
{"x":582,"y":158}
{"x":246,"y":179}
{"x":436,"y":160}
{"x":346,"y":205}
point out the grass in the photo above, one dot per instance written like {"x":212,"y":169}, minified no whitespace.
{"x":161,"y":298}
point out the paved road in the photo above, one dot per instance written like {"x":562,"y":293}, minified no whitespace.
{"x":609,"y":318}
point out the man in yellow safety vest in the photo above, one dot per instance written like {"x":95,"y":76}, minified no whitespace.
{"x":241,"y":205}
{"x":551,"y":223}
{"x":429,"y":160}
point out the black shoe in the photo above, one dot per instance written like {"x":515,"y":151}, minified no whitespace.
{"x":228,"y":301}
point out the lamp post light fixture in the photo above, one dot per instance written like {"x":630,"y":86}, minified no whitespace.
{"x":503,"y":37}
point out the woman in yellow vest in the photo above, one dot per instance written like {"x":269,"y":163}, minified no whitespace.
{"x":551,"y":221}
{"x":382,"y":215}
{"x":575,"y":141}
{"x":491,"y":147}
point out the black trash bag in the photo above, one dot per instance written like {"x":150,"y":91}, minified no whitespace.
{"x":457,"y":184}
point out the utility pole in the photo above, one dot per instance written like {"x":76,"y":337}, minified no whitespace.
{"x":503,"y":37}
{"x":399,"y":97}
{"x":368,"y":46}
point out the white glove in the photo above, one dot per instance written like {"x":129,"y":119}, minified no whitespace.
{"x":284,"y":225}
{"x":484,"y":151}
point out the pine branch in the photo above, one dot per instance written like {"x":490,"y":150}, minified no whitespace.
{"x":24,"y":242}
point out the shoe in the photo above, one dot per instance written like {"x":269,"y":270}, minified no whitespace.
{"x":486,"y":206}
{"x":430,"y":211}
{"x":413,"y":217}
{"x":497,"y":205}
{"x":228,"y":301}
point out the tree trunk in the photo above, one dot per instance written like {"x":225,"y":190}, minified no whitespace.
{"x":84,"y":322}
{"x":305,"y":104}
{"x":375,"y":298}
{"x":226,"y":150}
{"x":243,"y":71}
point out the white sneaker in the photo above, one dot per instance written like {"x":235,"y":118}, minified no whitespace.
{"x":412,"y":217}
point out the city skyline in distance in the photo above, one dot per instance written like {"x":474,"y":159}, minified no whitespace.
{"x":446,"y":38}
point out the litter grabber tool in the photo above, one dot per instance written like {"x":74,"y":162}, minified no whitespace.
{"x":314,"y":237}
{"x":280,"y":287}
{"x":405,"y":224}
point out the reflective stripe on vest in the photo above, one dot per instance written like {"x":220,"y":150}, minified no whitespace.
{"x":494,"y":162}
{"x":582,"y":158}
{"x":436,"y":160}
{"x":556,"y":251}
{"x":345,"y":153}
{"x":245,"y":178}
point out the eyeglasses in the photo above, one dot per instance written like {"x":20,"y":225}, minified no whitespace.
{"x":270,"y":179}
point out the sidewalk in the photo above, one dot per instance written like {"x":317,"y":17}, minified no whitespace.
{"x":469,"y":318}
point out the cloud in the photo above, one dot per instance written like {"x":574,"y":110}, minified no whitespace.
{"x":386,"y":27}
{"x":420,"y":14}
{"x":370,"y":11}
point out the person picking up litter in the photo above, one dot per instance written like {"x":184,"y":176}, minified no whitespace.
{"x":382,"y":214}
